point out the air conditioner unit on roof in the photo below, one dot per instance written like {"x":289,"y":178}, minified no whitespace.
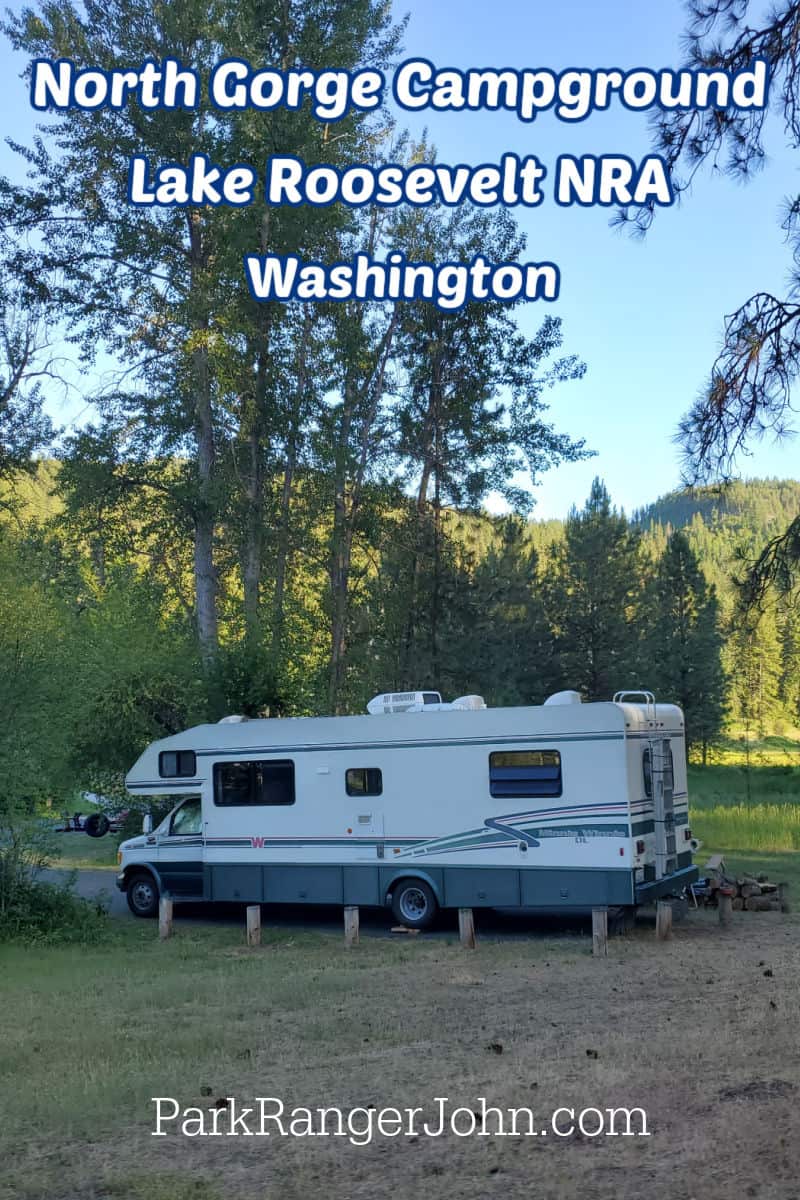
{"x":398,"y":702}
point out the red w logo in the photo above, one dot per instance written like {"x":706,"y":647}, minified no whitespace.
{"x":257,"y":843}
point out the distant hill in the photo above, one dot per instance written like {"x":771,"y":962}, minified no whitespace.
{"x":760,"y":505}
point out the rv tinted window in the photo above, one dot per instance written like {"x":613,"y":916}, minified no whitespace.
{"x":237,"y":784}
{"x":177,"y":764}
{"x":521,"y":773}
{"x":273,"y":782}
{"x":364,"y":781}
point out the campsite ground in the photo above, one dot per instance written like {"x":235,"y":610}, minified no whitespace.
{"x":699,"y":1031}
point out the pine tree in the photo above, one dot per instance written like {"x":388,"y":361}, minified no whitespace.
{"x":789,"y":687}
{"x":593,"y":598}
{"x":510,"y":643}
{"x":683,"y":641}
{"x":754,"y":651}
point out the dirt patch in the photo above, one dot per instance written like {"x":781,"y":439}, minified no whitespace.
{"x":693,"y":1031}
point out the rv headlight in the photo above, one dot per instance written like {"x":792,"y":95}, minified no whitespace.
{"x":119,"y":858}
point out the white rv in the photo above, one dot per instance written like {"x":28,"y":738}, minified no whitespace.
{"x":421,"y":805}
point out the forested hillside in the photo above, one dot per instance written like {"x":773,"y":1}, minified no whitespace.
{"x":99,"y":654}
{"x":279,"y":508}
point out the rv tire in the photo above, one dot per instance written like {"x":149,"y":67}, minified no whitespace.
{"x":142,"y":894}
{"x":414,"y":904}
{"x":97,"y":825}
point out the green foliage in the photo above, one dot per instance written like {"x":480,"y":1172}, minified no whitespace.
{"x":593,"y":598}
{"x":36,"y":912}
{"x":32,"y":910}
{"x":683,"y":641}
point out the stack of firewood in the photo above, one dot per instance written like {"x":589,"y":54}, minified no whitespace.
{"x":753,"y":893}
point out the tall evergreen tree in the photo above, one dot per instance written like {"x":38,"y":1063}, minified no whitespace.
{"x":754,"y":653}
{"x":510,"y":643}
{"x":683,"y":641}
{"x":593,"y":598}
{"x":789,"y":688}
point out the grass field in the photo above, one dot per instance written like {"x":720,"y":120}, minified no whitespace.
{"x":79,"y":850}
{"x":700,"y":1031}
{"x":748,"y":799}
{"x":692,"y":1030}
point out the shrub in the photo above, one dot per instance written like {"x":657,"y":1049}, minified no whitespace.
{"x":31,"y":909}
{"x":35,"y":911}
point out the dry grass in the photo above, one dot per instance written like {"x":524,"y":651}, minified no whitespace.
{"x":692,"y":1030}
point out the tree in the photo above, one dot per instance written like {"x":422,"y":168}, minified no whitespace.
{"x":509,"y":641}
{"x":749,"y":392}
{"x":163,"y":289}
{"x":683,"y":641}
{"x":24,"y":362}
{"x":592,"y":596}
{"x":789,"y":689}
{"x":754,"y":654}
{"x":470,"y":416}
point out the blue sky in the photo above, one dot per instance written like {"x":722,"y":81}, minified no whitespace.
{"x":645,"y":316}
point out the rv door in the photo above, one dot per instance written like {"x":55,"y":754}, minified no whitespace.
{"x":179,"y":853}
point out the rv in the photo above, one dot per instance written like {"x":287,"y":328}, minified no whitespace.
{"x":421,"y":805}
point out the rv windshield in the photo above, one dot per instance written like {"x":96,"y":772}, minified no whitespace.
{"x":186,"y":820}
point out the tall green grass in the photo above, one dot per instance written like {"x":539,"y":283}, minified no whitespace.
{"x":749,"y":827}
{"x":749,"y":802}
{"x":732,"y":785}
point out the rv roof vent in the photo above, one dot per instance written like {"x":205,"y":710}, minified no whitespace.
{"x":397,"y":702}
{"x":564,"y":698}
{"x":234,"y":720}
{"x":468,"y":703}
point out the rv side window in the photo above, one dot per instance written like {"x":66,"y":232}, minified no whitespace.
{"x":237,"y":784}
{"x":177,"y":764}
{"x":363,"y":781}
{"x":647,"y":772}
{"x":521,"y":773}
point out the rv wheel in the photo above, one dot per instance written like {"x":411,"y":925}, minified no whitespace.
{"x":142,"y":895}
{"x":97,"y":825}
{"x":414,"y":904}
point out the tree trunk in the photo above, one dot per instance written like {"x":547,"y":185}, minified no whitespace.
{"x":347,"y":502}
{"x":287,"y":489}
{"x":339,"y":570}
{"x":254,"y":537}
{"x":256,"y":433}
{"x":205,"y":579}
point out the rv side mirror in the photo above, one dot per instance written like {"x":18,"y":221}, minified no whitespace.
{"x":147,"y":824}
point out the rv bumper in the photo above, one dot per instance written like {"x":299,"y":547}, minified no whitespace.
{"x":645,"y":892}
{"x":121,"y":881}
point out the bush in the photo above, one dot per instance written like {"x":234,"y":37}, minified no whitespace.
{"x":32,"y":910}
